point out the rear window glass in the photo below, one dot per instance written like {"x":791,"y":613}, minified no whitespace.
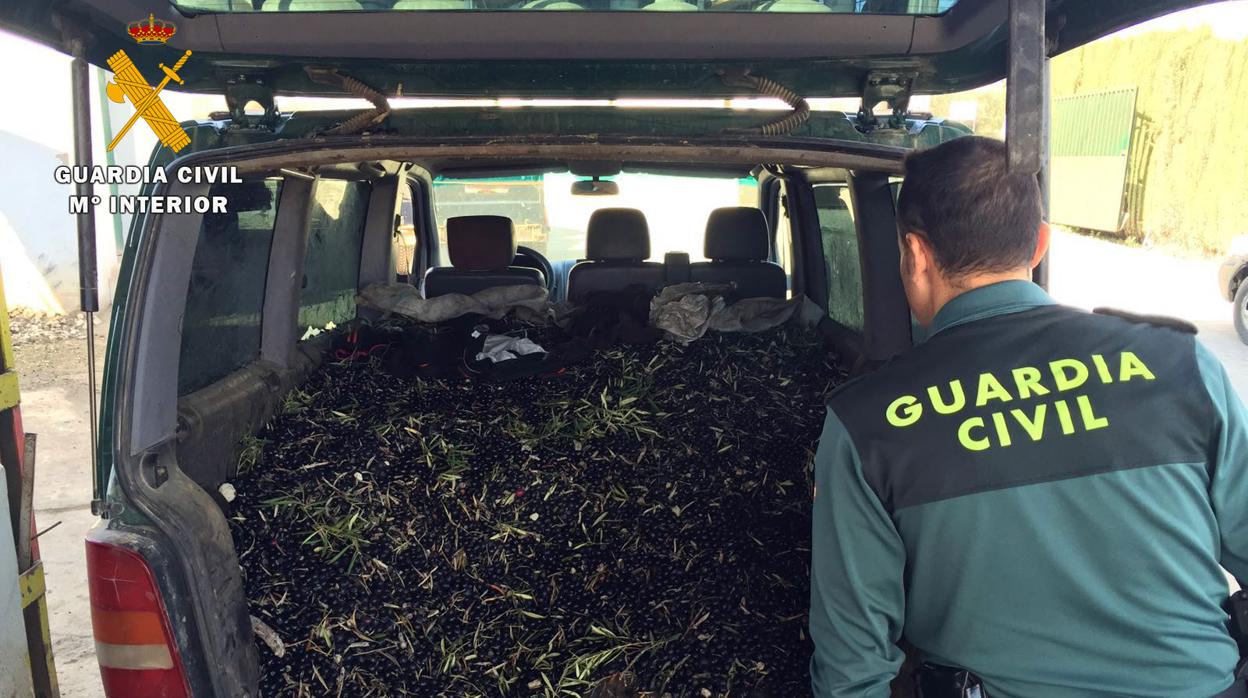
{"x":221,"y":326}
{"x":840,"y":254}
{"x":550,"y":219}
{"x":331,"y":267}
{"x":891,"y":7}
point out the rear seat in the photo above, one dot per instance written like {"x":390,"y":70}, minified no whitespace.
{"x":481,"y":249}
{"x":737,"y":246}
{"x":616,"y":247}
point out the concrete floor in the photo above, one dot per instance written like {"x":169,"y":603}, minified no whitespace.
{"x":1089,"y":273}
{"x":1086,"y":273}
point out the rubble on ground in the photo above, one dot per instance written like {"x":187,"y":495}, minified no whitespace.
{"x":30,"y":327}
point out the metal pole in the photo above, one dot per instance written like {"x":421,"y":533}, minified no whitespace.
{"x":1040,"y":274}
{"x":1024,"y":88}
{"x":26,"y":502}
{"x":110,"y":158}
{"x":89,"y":296}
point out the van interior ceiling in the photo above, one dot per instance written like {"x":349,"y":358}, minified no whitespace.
{"x":273,"y":339}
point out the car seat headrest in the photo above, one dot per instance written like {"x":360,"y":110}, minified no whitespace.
{"x":617,"y":234}
{"x":736,"y":233}
{"x":480,"y":243}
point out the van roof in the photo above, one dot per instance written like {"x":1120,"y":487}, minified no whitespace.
{"x":933,"y":46}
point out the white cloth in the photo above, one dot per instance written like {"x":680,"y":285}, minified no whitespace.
{"x":501,"y":347}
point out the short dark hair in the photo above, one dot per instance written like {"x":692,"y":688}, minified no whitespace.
{"x":978,"y":217}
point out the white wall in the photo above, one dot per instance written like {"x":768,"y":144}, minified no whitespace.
{"x":38,"y":235}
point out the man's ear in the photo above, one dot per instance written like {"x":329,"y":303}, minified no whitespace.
{"x":1042,"y":244}
{"x":917,"y":253}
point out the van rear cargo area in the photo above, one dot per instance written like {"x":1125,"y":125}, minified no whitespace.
{"x":634,"y":524}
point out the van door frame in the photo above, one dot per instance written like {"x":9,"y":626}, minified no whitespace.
{"x":284,"y":281}
{"x":886,"y":314}
{"x":425,"y":224}
{"x":1027,"y":100}
{"x":376,"y":263}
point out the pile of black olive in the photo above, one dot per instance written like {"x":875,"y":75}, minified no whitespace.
{"x":635,"y":525}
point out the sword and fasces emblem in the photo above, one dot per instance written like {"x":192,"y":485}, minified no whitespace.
{"x":128,"y":82}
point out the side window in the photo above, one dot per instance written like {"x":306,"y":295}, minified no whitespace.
{"x":331,"y":264}
{"x":404,"y":242}
{"x":840,"y":254}
{"x":221,"y":325}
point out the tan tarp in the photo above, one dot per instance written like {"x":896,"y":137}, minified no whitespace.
{"x":685,"y":312}
{"x":529,"y":302}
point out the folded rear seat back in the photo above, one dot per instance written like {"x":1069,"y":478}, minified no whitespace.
{"x":738,"y":246}
{"x":617,"y":244}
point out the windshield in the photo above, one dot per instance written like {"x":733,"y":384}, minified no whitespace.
{"x":903,"y":7}
{"x":550,"y":219}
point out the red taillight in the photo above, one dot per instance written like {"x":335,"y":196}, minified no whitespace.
{"x":133,"y":641}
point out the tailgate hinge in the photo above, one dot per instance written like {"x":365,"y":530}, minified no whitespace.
{"x":245,"y":89}
{"x":105,"y":509}
{"x":892,"y":88}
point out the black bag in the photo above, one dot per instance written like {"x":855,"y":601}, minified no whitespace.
{"x":505,"y":369}
{"x":936,"y":681}
{"x":1237,"y":606}
{"x":427,"y":352}
{"x":616,"y":317}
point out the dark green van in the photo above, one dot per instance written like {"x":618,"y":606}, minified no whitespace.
{"x":209,"y":325}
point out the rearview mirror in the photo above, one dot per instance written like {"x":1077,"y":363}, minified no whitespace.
{"x":595,"y":187}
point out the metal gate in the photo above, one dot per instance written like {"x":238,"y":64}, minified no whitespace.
{"x":1090,"y":149}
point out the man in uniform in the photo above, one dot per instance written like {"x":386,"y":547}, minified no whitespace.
{"x":1036,"y":498}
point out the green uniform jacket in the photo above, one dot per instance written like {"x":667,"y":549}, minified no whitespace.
{"x":1040,"y":495}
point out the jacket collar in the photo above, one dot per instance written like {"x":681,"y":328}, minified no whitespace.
{"x":1001,"y":298}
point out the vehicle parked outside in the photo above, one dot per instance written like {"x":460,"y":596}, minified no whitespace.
{"x":1231,"y":275}
{"x":522,"y":199}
